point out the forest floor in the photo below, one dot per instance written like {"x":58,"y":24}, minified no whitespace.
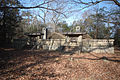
{"x":54,"y":65}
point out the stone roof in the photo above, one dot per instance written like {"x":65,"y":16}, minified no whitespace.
{"x":35,"y":34}
{"x":87,"y":36}
{"x":74,"y":34}
{"x":56,"y":35}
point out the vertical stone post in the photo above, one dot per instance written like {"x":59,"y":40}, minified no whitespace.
{"x":80,"y":43}
{"x":78,"y":29}
{"x":38,"y":46}
{"x":44,"y":30}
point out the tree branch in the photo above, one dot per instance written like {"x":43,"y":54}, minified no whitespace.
{"x":38,"y":6}
{"x":95,"y":2}
{"x":23,"y":7}
{"x":116,"y":2}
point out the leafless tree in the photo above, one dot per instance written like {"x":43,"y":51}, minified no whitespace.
{"x":42,"y":5}
{"x":51,"y":17}
{"x":86,"y":4}
{"x":94,"y":2}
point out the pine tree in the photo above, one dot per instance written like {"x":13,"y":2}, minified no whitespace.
{"x":9,"y":20}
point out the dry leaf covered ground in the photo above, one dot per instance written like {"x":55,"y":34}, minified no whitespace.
{"x":53,"y":65}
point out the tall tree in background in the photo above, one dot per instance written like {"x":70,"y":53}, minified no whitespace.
{"x":55,"y":8}
{"x":115,"y":20}
{"x":63,"y":27}
{"x":53,"y":17}
{"x":31,"y":23}
{"x":9,"y":20}
{"x":26,"y":21}
{"x":117,"y":37}
{"x":49,"y":13}
{"x":95,"y":24}
{"x":78,"y":23}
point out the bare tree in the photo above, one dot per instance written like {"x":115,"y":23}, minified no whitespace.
{"x":94,"y":2}
{"x":55,"y":18}
{"x":51,"y":17}
{"x":42,"y":5}
{"x":42,"y":13}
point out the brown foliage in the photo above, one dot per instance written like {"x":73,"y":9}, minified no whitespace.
{"x":52,"y":65}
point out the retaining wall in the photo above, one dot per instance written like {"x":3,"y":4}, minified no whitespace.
{"x":98,"y":45}
{"x":87,"y":45}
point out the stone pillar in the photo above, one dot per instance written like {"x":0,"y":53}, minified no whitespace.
{"x":78,"y":29}
{"x":38,"y":46}
{"x":80,"y":38}
{"x":44,"y":30}
{"x":80,"y":43}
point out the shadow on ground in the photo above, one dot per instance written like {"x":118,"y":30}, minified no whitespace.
{"x":18,"y":63}
{"x":33,"y":65}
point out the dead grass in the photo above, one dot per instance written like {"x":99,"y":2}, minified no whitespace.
{"x":52,"y":65}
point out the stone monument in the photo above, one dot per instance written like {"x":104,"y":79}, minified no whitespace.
{"x":78,"y":29}
{"x":44,"y":30}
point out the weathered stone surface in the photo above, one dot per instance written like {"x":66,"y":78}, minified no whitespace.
{"x":84,"y":45}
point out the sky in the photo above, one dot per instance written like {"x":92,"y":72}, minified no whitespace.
{"x":78,"y":15}
{"x":74,"y":16}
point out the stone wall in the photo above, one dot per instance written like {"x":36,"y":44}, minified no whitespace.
{"x":98,"y":45}
{"x":19,"y":43}
{"x":87,"y":45}
{"x":52,"y":44}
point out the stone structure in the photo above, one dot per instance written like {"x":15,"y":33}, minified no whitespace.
{"x":34,"y":38}
{"x":74,"y":42}
{"x":98,"y":45}
{"x":78,"y":29}
{"x":44,"y":31}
